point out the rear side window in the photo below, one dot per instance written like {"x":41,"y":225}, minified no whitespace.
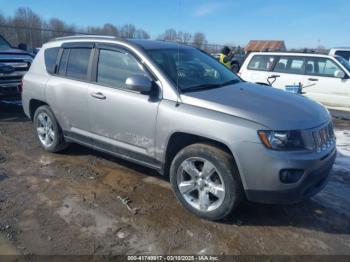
{"x":261,"y":62}
{"x":63,"y":63}
{"x":290,"y":65}
{"x":78,"y":63}
{"x":50,"y":56}
{"x":115,"y":67}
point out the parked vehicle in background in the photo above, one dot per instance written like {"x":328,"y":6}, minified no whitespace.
{"x":236,"y":61}
{"x":175,"y":109}
{"x":14,"y":63}
{"x":323,"y":78}
{"x":344,"y":52}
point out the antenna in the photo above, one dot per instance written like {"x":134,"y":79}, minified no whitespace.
{"x":178,"y":57}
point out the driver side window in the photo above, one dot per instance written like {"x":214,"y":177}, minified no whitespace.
{"x":321,"y":67}
{"x":114,"y":67}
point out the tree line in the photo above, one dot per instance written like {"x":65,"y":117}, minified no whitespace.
{"x":26,"y":26}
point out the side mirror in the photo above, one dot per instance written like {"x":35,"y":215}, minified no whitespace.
{"x":339,"y":74}
{"x":139,"y":83}
{"x":22,"y":47}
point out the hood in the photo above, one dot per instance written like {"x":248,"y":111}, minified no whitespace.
{"x":273,"y":108}
{"x":14,"y":51}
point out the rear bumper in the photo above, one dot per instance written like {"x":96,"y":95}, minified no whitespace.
{"x":312,"y":183}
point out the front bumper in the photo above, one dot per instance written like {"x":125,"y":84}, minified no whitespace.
{"x":313,"y":183}
{"x":262,"y":183}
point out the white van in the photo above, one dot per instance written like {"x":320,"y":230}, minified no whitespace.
{"x":323,"y":78}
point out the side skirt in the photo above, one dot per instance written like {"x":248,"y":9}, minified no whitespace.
{"x":115,"y":151}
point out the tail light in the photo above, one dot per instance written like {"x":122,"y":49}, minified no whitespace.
{"x":20,"y":87}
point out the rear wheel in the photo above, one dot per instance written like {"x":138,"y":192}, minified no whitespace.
{"x":48,"y":130}
{"x":206,"y":181}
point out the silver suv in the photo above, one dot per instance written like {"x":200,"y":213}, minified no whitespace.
{"x":175,"y":109}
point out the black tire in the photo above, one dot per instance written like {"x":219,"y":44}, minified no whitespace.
{"x":58,"y":143}
{"x":235,"y":67}
{"x":225,"y":165}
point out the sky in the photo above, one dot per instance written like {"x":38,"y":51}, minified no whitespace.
{"x":300,"y":23}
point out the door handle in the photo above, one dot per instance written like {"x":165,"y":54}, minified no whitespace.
{"x":98,"y":95}
{"x":313,"y":79}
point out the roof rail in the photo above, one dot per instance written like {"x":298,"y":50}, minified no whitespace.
{"x":86,"y":36}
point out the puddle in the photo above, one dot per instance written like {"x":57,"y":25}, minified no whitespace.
{"x":88,"y":220}
{"x":3,"y":176}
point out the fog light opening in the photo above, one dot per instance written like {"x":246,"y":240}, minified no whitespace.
{"x":289,"y":176}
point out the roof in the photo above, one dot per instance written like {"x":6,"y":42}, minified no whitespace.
{"x":143,"y":43}
{"x":156,"y":44}
{"x":341,"y":48}
{"x":291,"y":54}
{"x":263,"y":45}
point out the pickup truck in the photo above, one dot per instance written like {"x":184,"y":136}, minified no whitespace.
{"x":14,"y":63}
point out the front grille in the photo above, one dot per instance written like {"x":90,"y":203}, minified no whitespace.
{"x":324,"y":137}
{"x":17,"y":65}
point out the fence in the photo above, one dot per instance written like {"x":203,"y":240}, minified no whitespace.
{"x":35,"y":37}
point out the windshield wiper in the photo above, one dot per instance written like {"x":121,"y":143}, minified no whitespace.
{"x":209,"y":86}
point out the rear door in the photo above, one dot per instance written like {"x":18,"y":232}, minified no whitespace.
{"x":67,"y":90}
{"x":288,"y":71}
{"x":323,"y":86}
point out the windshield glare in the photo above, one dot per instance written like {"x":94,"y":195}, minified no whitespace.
{"x":344,"y":63}
{"x":3,"y":43}
{"x":191,"y":69}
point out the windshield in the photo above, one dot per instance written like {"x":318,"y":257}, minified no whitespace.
{"x":344,"y":63}
{"x":3,"y":43}
{"x":191,"y":69}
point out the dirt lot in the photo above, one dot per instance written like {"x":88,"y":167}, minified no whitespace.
{"x":72,"y":203}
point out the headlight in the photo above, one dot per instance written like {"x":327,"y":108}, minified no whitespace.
{"x":282,"y":140}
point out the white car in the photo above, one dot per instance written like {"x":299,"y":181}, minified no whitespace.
{"x":323,"y":78}
{"x":341,"y":51}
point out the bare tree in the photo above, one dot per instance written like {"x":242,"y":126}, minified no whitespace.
{"x":199,"y":40}
{"x":128,"y":31}
{"x":25,"y":17}
{"x":141,"y":34}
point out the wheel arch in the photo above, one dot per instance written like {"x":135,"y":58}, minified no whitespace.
{"x":179,"y":140}
{"x":34,"y":104}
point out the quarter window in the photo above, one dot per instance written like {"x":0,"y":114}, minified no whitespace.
{"x":261,"y":62}
{"x":114,"y":67}
{"x":50,"y":59}
{"x":78,"y":63}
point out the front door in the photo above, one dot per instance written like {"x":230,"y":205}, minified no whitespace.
{"x":322,"y":85}
{"x":121,"y":121}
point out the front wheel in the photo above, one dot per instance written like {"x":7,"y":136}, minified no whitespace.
{"x":206,"y":181}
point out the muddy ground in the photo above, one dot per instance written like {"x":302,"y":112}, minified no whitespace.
{"x":75,"y":203}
